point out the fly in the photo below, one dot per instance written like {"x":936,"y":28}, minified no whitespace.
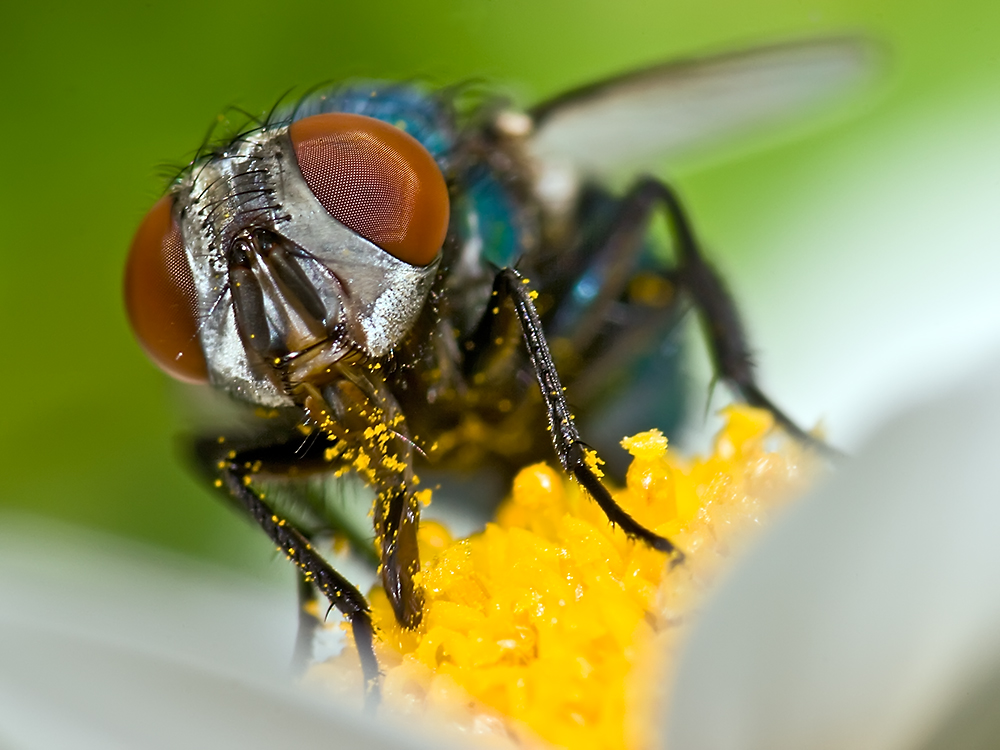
{"x":386,"y":279}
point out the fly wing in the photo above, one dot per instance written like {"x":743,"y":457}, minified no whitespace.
{"x":679,"y":106}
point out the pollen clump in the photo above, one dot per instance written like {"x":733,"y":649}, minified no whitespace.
{"x":551,"y":626}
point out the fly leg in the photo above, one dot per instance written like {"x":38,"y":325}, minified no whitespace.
{"x":232,"y":472}
{"x":693,"y":275}
{"x":727,"y":341}
{"x":360,"y":409}
{"x":574,"y":455}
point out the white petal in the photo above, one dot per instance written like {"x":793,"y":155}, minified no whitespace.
{"x":871,"y":611}
{"x":106,"y":645}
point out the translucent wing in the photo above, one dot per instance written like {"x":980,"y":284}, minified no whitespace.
{"x":678,"y":106}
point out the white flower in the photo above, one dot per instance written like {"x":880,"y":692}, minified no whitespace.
{"x":869,"y":615}
{"x":109,"y":645}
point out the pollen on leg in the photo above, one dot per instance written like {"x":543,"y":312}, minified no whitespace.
{"x":593,"y":462}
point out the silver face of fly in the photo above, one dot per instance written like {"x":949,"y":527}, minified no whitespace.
{"x":410,"y":280}
{"x":312,"y":288}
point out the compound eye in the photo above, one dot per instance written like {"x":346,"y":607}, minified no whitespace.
{"x":377,"y":180}
{"x":161,"y":299}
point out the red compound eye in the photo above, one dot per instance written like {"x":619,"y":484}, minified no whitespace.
{"x":160,"y":297}
{"x":377,"y":180}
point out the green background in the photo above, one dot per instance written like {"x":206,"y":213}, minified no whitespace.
{"x":97,"y":97}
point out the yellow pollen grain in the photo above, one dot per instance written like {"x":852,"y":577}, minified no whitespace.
{"x":592,"y":460}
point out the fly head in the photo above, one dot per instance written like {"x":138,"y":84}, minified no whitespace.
{"x":290,"y":250}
